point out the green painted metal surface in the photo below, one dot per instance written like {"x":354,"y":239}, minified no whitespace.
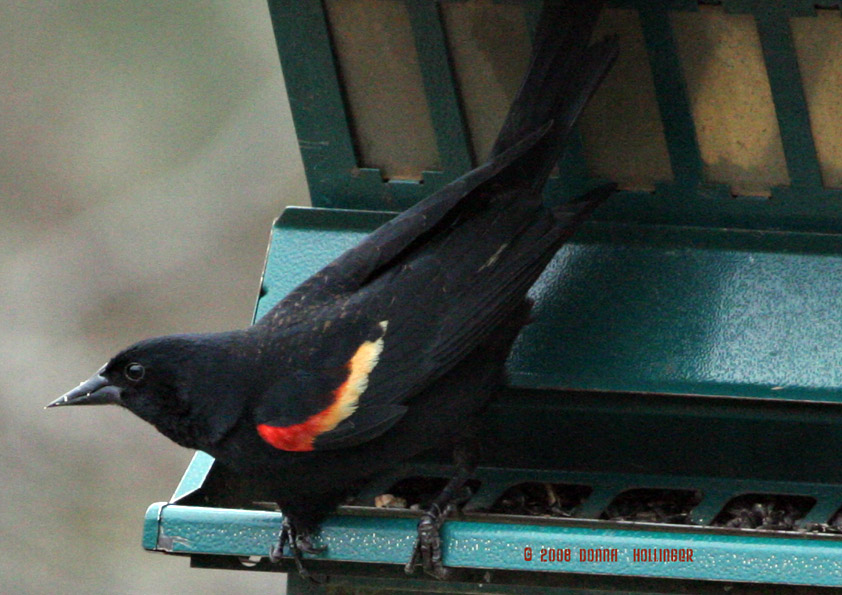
{"x":366,"y":536}
{"x":194,"y":476}
{"x":689,"y":311}
{"x":778,"y":559}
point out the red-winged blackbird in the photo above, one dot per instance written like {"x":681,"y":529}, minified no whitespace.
{"x":396,"y":345}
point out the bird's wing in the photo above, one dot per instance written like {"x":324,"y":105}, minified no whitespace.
{"x":317,"y":405}
{"x":354,"y":367}
{"x":379,"y":249}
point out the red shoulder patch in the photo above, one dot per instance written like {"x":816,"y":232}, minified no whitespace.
{"x":300,"y":437}
{"x":297,"y":438}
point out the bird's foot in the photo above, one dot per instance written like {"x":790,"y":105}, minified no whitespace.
{"x":427,"y":551}
{"x":298,"y":542}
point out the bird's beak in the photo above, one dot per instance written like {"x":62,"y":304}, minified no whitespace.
{"x":96,"y":390}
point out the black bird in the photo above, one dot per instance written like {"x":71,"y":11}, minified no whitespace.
{"x":393,"y":347}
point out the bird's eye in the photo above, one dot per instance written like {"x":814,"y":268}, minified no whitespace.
{"x":134,"y":372}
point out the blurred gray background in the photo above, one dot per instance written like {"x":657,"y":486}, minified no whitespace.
{"x":146,"y":149}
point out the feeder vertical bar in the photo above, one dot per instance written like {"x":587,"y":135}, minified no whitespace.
{"x":440,"y":88}
{"x":671,"y":93}
{"x":772,"y":19}
{"x":315,"y":96}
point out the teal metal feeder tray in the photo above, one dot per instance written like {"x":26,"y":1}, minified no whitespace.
{"x":682,"y":380}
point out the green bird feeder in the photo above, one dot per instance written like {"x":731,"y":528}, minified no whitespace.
{"x":674,"y":416}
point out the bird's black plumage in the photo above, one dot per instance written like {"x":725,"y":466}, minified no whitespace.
{"x":388,"y":350}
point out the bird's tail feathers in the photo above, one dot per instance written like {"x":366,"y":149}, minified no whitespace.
{"x":564,"y":73}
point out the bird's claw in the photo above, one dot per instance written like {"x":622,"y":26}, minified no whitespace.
{"x":276,"y":552}
{"x":427,"y":551}
{"x":298,"y":543}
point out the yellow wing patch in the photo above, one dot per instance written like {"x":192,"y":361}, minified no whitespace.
{"x":300,"y":437}
{"x":348,"y":394}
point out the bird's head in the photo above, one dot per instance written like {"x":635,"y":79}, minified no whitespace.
{"x":171,"y":383}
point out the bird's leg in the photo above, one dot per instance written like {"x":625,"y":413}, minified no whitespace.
{"x":298,"y":542}
{"x":427,"y":551}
